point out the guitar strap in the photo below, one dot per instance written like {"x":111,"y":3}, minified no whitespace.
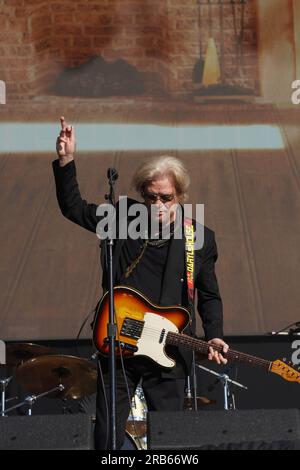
{"x":190,"y":261}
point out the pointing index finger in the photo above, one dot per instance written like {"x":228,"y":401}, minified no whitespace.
{"x":63,"y":123}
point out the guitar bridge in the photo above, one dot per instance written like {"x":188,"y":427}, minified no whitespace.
{"x":132,"y":328}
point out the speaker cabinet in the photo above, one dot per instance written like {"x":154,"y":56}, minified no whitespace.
{"x":240,"y":429}
{"x":64,"y":432}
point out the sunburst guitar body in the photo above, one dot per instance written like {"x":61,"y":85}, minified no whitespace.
{"x":142,"y":326}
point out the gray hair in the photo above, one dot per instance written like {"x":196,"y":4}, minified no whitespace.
{"x":157,"y":167}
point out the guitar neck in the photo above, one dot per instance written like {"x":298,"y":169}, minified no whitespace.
{"x":202,"y":347}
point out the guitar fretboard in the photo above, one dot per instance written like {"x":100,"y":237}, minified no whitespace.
{"x":201,"y":346}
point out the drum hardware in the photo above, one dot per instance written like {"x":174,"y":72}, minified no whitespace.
{"x":31,"y":399}
{"x":16,"y":354}
{"x":11,"y":399}
{"x":229,"y":399}
{"x":3,"y":385}
{"x":189,"y":403}
{"x":191,"y":400}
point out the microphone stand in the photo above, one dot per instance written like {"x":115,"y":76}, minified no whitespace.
{"x":192,"y":397}
{"x":111,"y":326}
{"x":194,"y":382}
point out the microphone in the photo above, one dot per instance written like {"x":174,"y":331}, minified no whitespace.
{"x":112,"y":174}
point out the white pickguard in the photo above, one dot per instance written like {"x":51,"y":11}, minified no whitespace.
{"x":149,"y":342}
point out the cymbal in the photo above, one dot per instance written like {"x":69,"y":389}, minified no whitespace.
{"x":17,"y":353}
{"x":201,"y":401}
{"x":40,"y":374}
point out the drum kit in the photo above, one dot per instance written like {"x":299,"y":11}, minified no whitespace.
{"x":41,"y":372}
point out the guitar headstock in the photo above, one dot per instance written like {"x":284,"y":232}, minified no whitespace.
{"x":287,"y":372}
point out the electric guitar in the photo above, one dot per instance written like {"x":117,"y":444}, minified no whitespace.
{"x":145,"y":329}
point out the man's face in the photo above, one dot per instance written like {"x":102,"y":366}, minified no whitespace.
{"x":160,"y":198}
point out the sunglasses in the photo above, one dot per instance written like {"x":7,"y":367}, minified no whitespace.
{"x":152,"y":197}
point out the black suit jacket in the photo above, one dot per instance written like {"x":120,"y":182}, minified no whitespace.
{"x":174,"y":290}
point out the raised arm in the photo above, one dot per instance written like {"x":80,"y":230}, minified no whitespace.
{"x":71,"y":204}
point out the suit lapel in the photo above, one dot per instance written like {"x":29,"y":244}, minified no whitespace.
{"x":174,"y":274}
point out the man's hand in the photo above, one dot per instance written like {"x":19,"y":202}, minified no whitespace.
{"x":65,"y":143}
{"x":214,"y":355}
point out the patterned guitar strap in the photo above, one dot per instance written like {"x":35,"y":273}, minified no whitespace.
{"x":190,"y":262}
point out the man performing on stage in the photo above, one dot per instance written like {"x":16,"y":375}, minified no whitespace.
{"x":156,"y":267}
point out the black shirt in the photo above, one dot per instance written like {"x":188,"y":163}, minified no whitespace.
{"x":147,"y":275}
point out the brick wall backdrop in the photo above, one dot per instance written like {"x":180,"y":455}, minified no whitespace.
{"x":27,"y":56}
{"x":160,"y":37}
